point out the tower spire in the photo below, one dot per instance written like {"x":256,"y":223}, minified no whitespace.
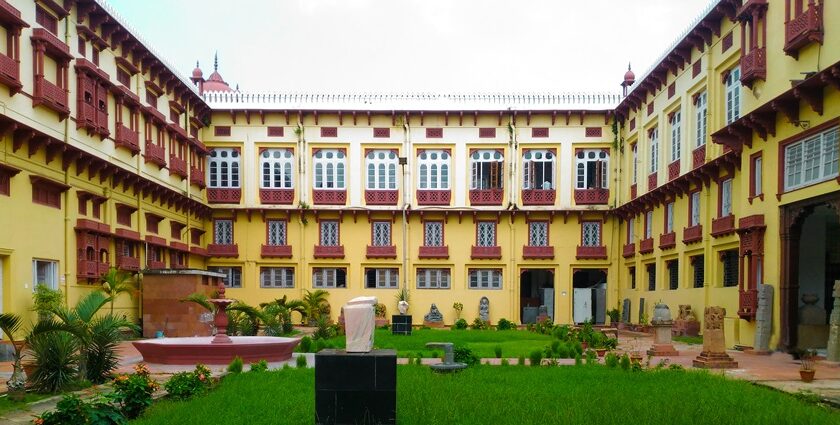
{"x":216,"y":62}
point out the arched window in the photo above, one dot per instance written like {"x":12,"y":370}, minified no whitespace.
{"x":538,"y":169}
{"x":592,"y":169}
{"x":224,"y":168}
{"x":276,"y":168}
{"x":486,"y":170}
{"x":381,"y":168}
{"x":433,"y":169}
{"x":329,"y":165}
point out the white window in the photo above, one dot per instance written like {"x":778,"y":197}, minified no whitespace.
{"x":676,"y":136}
{"x":329,"y":169}
{"x":233,"y":275}
{"x":726,"y":197}
{"x":433,"y":278}
{"x":329,"y":278}
{"x":329,"y":233}
{"x":669,"y":217}
{"x":223,"y":232}
{"x":485,"y":279}
{"x":538,"y":233}
{"x":700,"y":115}
{"x":381,"y":233}
{"x":277,"y":277}
{"x":486,"y":170}
{"x":592,"y":169}
{"x":631,"y":230}
{"x":276,"y":166}
{"x":433,"y":233}
{"x":224,"y":168}
{"x":381,"y":170}
{"x":654,"y":150}
{"x":591,"y":233}
{"x":381,"y":278}
{"x":695,"y":208}
{"x":757,"y":188}
{"x":635,"y":162}
{"x":648,"y":224}
{"x":45,"y":272}
{"x":434,"y":169}
{"x":538,"y":170}
{"x":276,"y":232}
{"x":812,"y":160}
{"x":733,"y":95}
{"x":486,"y":233}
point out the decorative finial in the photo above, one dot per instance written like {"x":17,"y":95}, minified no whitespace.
{"x":628,"y":66}
{"x":216,"y":62}
{"x":196,"y":64}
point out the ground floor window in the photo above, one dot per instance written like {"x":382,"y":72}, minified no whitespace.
{"x":329,"y":278}
{"x":433,"y":278}
{"x":233,"y":275}
{"x":381,"y":278}
{"x":651,"y":272}
{"x":730,"y":267}
{"x":698,"y":263}
{"x":632,"y":278}
{"x":673,"y":274}
{"x":277,"y":277}
{"x":485,"y":279}
{"x":45,"y":272}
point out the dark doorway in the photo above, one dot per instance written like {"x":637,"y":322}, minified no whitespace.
{"x":536,"y":289}
{"x":589,"y":302}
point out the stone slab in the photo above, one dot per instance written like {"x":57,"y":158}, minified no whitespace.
{"x":401,"y":324}
{"x":355,"y":388}
{"x":707,"y":360}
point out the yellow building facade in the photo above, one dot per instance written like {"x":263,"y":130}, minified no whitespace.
{"x":714,"y":171}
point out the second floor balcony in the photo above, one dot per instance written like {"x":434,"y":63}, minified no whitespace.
{"x":178,"y":167}
{"x":10,"y":73}
{"x":591,"y":253}
{"x":673,"y":170}
{"x":594,"y":196}
{"x":754,"y":66}
{"x":538,"y":196}
{"x":381,"y":197}
{"x":667,"y":240}
{"x":433,"y":197}
{"x":329,"y":197}
{"x":51,"y":96}
{"x":329,"y":251}
{"x":277,"y":196}
{"x":128,"y":263}
{"x":804,"y":29}
{"x":127,"y":138}
{"x":629,"y":250}
{"x":486,"y":196}
{"x":388,"y":251}
{"x":223,"y":250}
{"x":537,"y":252}
{"x":276,"y":251}
{"x":698,"y":157}
{"x":646,"y":246}
{"x":486,"y":252}
{"x":197,"y":177}
{"x":693,"y":234}
{"x":224,"y":195}
{"x":429,"y":252}
{"x":723,"y":226}
{"x":155,"y":154}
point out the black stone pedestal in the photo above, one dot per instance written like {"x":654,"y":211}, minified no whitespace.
{"x":355,"y":388}
{"x":401,"y":324}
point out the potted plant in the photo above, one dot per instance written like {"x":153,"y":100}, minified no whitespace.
{"x":10,"y":324}
{"x":458,"y":307}
{"x":402,"y":298}
{"x":379,"y":310}
{"x":614,"y":315}
{"x":806,"y":369}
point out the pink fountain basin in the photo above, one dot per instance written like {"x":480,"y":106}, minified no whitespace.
{"x":193,"y":350}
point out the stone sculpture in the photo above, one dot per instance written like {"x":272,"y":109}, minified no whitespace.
{"x":763,"y":319}
{"x":833,"y":354}
{"x":434,"y":318}
{"x":449,"y":364}
{"x":359,"y":322}
{"x":625,"y":311}
{"x":402,"y":306}
{"x":686,"y":324}
{"x":714,"y":354}
{"x":661,"y":323}
{"x":484,"y":309}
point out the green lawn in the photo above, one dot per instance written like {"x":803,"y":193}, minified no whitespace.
{"x":695,"y":340}
{"x":7,"y":405}
{"x":509,"y":395}
{"x":483,"y":343}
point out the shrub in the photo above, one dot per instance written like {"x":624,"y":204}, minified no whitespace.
{"x":260,"y":366}
{"x":505,"y":325}
{"x":323,"y":328}
{"x":547,"y":353}
{"x":546,"y":327}
{"x":479,"y":324}
{"x":56,"y":361}
{"x":458,"y":307}
{"x":535,"y":357}
{"x":625,"y":362}
{"x":73,"y":410}
{"x":555,"y":346}
{"x":498,"y":351}
{"x":305,"y":344}
{"x":505,"y":362}
{"x":319,"y":345}
{"x":611,"y":360}
{"x":460,"y":324}
{"x":674,"y":366}
{"x":235,"y":365}
{"x":184,"y":385}
{"x":563,"y":351}
{"x":300,"y":362}
{"x":578,"y":360}
{"x":591,"y":357}
{"x":578,"y":347}
{"x":562,"y":332}
{"x":133,"y":393}
{"x":464,"y":354}
{"x":520,"y":361}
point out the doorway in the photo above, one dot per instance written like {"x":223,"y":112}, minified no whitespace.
{"x":536,"y":290}
{"x":589,"y":302}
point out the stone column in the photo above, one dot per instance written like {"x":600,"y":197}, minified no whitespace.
{"x":763,"y":320}
{"x":714,"y":354}
{"x":834,"y":327}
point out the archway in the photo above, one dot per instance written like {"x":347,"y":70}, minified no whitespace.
{"x":536,"y":289}
{"x":589,"y":300}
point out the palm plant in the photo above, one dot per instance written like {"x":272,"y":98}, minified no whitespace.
{"x":96,"y":335}
{"x":315,"y":304}
{"x":10,"y":324}
{"x":116,"y":282}
{"x":281,"y":310}
{"x":202,"y":300}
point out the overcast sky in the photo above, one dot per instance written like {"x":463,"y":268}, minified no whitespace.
{"x":413,"y":45}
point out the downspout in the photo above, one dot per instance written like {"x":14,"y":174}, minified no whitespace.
{"x":68,"y":227}
{"x":406,"y":198}
{"x":514,"y":149}
{"x":304,"y":191}
{"x":615,"y":235}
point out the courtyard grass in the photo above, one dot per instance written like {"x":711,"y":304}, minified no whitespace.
{"x":693,"y":340}
{"x":509,"y":395}
{"x":482,"y":342}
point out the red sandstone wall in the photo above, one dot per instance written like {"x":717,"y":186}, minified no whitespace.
{"x":162,"y":309}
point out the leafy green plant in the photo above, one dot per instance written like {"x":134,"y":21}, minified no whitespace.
{"x":200,"y":299}
{"x":56,"y":362}
{"x":563,"y":351}
{"x":520,"y":361}
{"x":10,"y":324}
{"x":578,"y":360}
{"x":315,"y":305}
{"x":498,"y":351}
{"x":591,"y":357}
{"x":460,"y":324}
{"x":458,"y":307}
{"x":379,"y":310}
{"x":184,"y":385}
{"x":505,"y":362}
{"x":324,"y":328}
{"x":305,"y":345}
{"x":625,"y":362}
{"x":116,"y":282}
{"x":45,"y":299}
{"x":133,"y":393}
{"x":73,"y":410}
{"x":505,"y":325}
{"x":614,"y":315}
{"x":535,"y":357}
{"x":260,"y":366}
{"x":464,"y":354}
{"x":300,"y":362}
{"x":479,"y":324}
{"x":236,"y":365}
{"x":611,"y":360}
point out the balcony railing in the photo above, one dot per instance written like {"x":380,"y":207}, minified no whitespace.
{"x":754,"y":66}
{"x":486,"y":196}
{"x":330,"y":251}
{"x":698,"y":157}
{"x":277,"y":196}
{"x":87,"y":269}
{"x":673,"y":170}
{"x":592,"y":196}
{"x":329,"y":197}
{"x":219,"y":250}
{"x":629,"y":250}
{"x":433,"y":197}
{"x":667,"y":240}
{"x":177,"y":166}
{"x":276,"y":251}
{"x":747,"y":304}
{"x":486,"y":252}
{"x":155,"y":154}
{"x":693,"y":234}
{"x":127,"y":138}
{"x":652,"y":181}
{"x":221,"y":195}
{"x":389,"y":251}
{"x":381,"y":197}
{"x":153,"y":264}
{"x":197,"y":250}
{"x":128,"y":263}
{"x":433,"y":252}
{"x":723,"y":226}
{"x":538,"y":252}
{"x":646,"y":246}
{"x":10,"y":73}
{"x":591,"y":253}
{"x":633,"y":191}
{"x":804,"y":29}
{"x":51,"y":96}
{"x":197,"y":177}
{"x":538,"y":196}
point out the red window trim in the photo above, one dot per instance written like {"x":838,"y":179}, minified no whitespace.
{"x":51,"y":187}
{"x":153,"y":223}
{"x":753,"y":158}
{"x":793,"y":139}
{"x":442,"y":231}
{"x":630,"y":223}
{"x":268,"y":222}
{"x":665,"y":215}
{"x":124,"y":209}
{"x":547,"y":230}
{"x":495,"y":231}
{"x":691,"y":206}
{"x":390,"y":229}
{"x":720,"y":182}
{"x":232,"y":229}
{"x":600,"y":231}
{"x":321,"y":220}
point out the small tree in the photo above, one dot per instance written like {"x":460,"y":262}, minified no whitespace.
{"x":10,"y":324}
{"x":116,"y":282}
{"x":315,"y":304}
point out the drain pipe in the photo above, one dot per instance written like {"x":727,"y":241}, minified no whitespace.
{"x":69,"y":252}
{"x":512,"y":204}
{"x":406,"y":198}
